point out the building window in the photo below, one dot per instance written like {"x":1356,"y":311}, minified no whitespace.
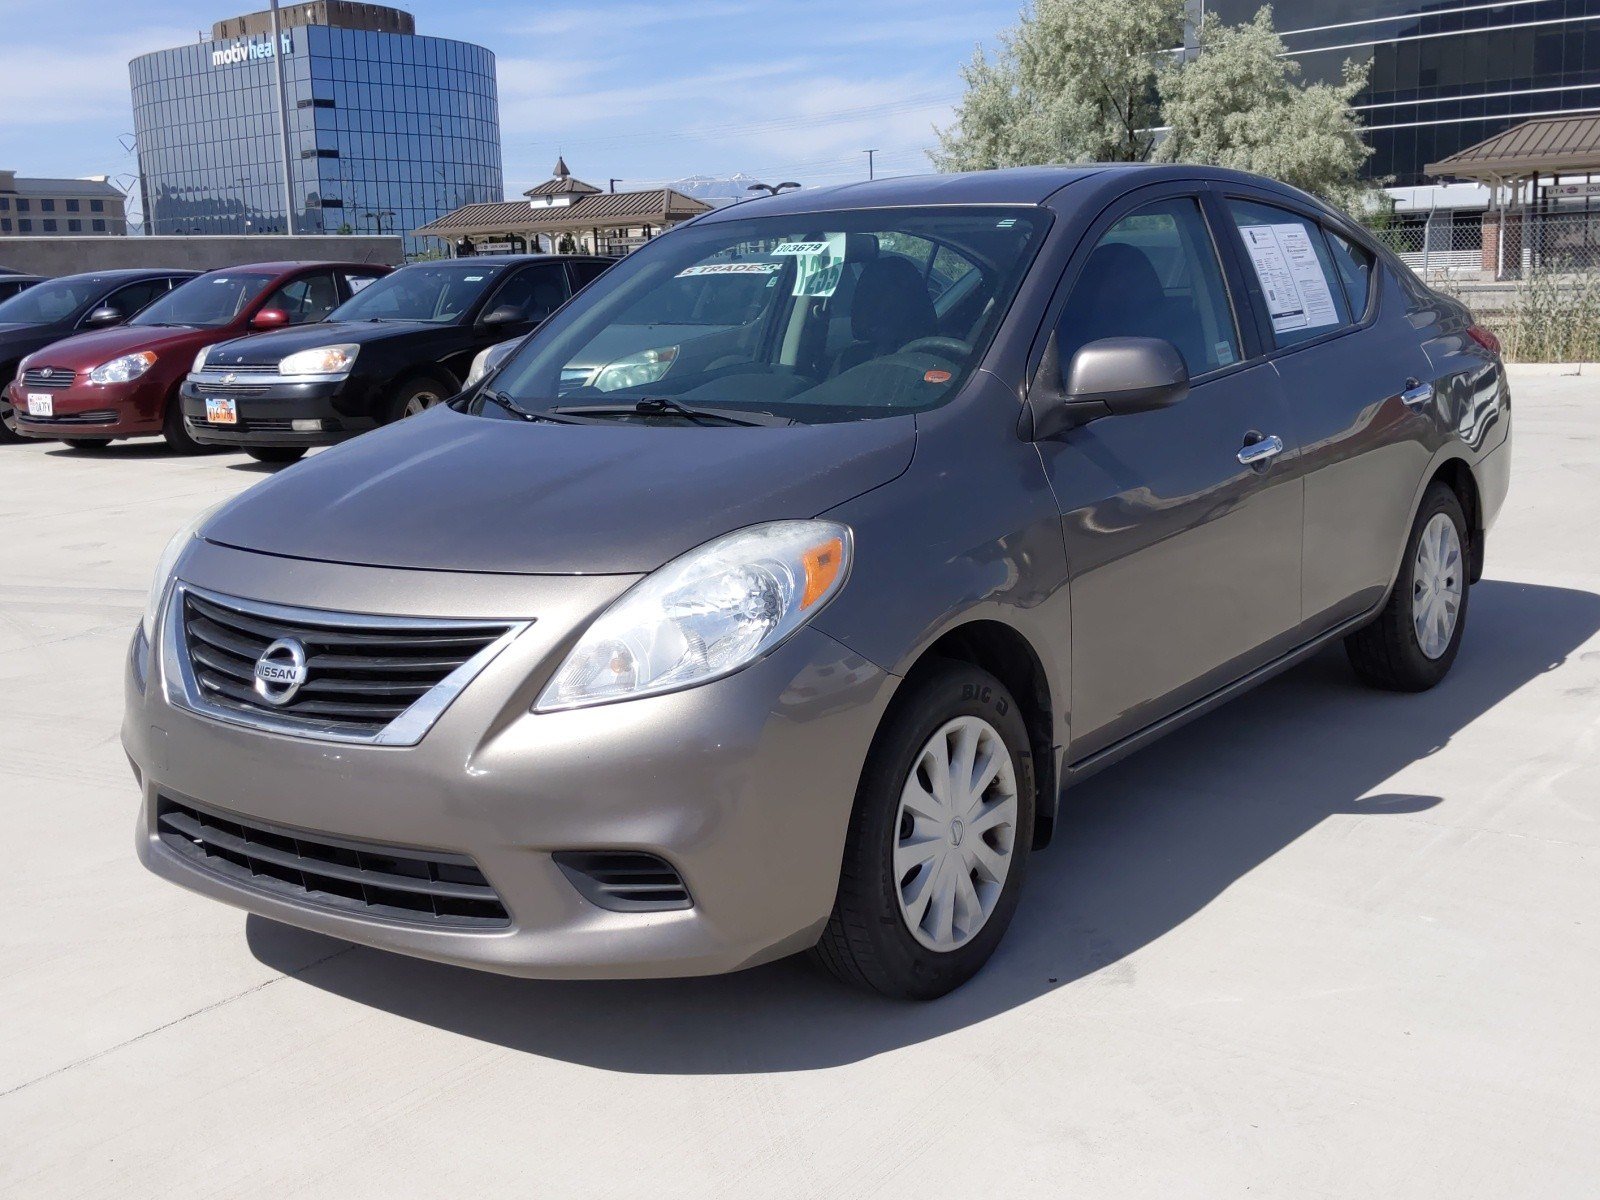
{"x":49,"y":224}
{"x":72,"y":206}
{"x":5,"y":224}
{"x":24,"y":225}
{"x":99,"y":226}
{"x":47,"y":206}
{"x":22,"y":204}
{"x":74,"y":225}
{"x":97,"y":206}
{"x":5,"y":203}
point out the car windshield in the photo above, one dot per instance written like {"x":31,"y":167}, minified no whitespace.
{"x":207,"y":301}
{"x":50,"y":301}
{"x":438,"y":293}
{"x":824,"y":317}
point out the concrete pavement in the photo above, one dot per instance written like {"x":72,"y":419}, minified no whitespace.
{"x":1323,"y":943}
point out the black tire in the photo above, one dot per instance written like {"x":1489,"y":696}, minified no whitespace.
{"x":276,"y":454}
{"x":178,"y":438}
{"x":8,"y":434}
{"x":419,"y":389}
{"x":86,"y":445}
{"x":1387,"y":653}
{"x":867,"y":941}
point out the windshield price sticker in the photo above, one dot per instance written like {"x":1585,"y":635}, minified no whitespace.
{"x":819,"y":265}
{"x":738,"y":268}
{"x":1297,"y":291}
{"x":812,"y":248}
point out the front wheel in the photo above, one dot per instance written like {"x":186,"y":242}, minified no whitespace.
{"x":176,"y":434}
{"x":86,"y":445}
{"x":277,"y":454}
{"x":8,"y":424}
{"x":1413,"y":642}
{"x":414,"y":397}
{"x":938,"y":839}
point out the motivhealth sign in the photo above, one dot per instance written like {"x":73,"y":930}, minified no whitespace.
{"x":248,"y":51}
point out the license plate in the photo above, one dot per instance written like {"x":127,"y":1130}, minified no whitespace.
{"x":41,"y":404}
{"x":221,"y":412}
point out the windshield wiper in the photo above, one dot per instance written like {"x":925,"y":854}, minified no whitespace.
{"x":655,"y":405}
{"x":501,"y":400}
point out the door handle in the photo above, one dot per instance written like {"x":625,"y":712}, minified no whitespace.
{"x":1261,"y":451}
{"x":1416,"y":393}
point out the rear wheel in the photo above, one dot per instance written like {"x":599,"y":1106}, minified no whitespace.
{"x":277,"y":454}
{"x":179,"y":439}
{"x":415,"y":396}
{"x":938,"y":839}
{"x":1414,"y":640}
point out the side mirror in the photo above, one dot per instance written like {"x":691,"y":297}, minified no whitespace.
{"x":269,"y":318}
{"x":1107,"y":378}
{"x":506,"y":314}
{"x":101,"y":317}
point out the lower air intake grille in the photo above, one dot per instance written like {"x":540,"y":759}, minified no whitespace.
{"x":419,"y":886}
{"x":624,"y":880}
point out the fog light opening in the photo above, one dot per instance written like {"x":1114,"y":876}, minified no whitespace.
{"x":306,"y":426}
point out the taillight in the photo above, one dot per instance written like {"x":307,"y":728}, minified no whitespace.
{"x":1484,"y":338}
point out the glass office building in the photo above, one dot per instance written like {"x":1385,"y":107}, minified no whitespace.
{"x":387,"y":130}
{"x":1445,"y":74}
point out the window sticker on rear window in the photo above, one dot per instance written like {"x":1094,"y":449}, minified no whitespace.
{"x":1297,"y":291}
{"x":733,"y":268}
{"x":820,"y":265}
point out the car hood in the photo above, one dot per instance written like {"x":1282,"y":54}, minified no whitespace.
{"x":450,"y":492}
{"x":84,"y":351}
{"x":261,"y":348}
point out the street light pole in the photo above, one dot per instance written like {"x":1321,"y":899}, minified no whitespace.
{"x":870,"y":172}
{"x":283,"y":121}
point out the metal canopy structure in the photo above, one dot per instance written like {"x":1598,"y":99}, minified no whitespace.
{"x":607,"y":222}
{"x":1512,"y":164}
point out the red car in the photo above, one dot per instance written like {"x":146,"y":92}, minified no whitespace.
{"x":93,"y":388}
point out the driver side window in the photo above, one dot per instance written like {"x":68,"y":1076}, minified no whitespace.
{"x":1154,"y":274}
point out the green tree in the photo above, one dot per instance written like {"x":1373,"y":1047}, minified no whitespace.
{"x":1238,"y":104}
{"x":1073,"y":81}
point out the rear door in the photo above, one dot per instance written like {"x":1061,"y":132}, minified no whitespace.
{"x":1184,"y":558}
{"x":1356,"y":381}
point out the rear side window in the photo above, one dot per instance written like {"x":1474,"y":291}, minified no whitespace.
{"x":1304,"y":296}
{"x":585,"y":273}
{"x":135,"y":296}
{"x":1354,"y":264}
{"x":309,"y":298}
{"x":1154,"y":274}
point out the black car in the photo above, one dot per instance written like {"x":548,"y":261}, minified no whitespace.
{"x":58,"y":308}
{"x":11,"y":283}
{"x":397,"y":347}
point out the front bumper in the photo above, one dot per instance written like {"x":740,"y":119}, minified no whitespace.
{"x":744,"y":785}
{"x":266,"y":418}
{"x":87,"y":410}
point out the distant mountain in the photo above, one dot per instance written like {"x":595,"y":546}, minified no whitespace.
{"x":716,"y":188}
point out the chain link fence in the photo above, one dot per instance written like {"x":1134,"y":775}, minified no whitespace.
{"x":1537,"y":286}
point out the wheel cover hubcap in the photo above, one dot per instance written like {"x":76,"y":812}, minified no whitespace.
{"x":1436,"y":585}
{"x":420,"y":402}
{"x":955,"y":833}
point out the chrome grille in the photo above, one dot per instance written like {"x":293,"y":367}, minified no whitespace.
{"x":215,"y":387}
{"x":370,"y":679}
{"x":419,"y":886}
{"x":48,"y":379}
{"x":270,"y":368}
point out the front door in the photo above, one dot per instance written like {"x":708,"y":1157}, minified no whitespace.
{"x":1182,"y":526}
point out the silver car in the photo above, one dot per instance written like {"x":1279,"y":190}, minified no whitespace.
{"x":795,"y":633}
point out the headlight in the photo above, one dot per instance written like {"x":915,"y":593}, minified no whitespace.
{"x":635,"y":371}
{"x":123,"y":370}
{"x":166,"y":564}
{"x":489,"y":359}
{"x":200,"y":359}
{"x":706,"y":614}
{"x":324,"y":360}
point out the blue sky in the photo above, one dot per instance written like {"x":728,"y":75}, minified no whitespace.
{"x":641,"y":91}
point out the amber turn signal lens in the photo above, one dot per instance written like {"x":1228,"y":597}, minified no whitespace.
{"x":822,"y":563}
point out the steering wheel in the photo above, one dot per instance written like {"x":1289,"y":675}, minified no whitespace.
{"x":950,"y":348}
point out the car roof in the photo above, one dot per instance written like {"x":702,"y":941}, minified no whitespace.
{"x":506,"y":259}
{"x":20,"y":275}
{"x":124,"y":274}
{"x":1011,"y":185}
{"x":288,"y":266}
